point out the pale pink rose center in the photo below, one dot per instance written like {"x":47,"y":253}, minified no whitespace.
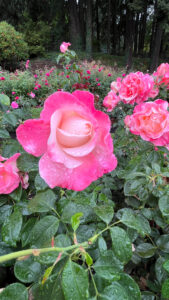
{"x":74,"y":131}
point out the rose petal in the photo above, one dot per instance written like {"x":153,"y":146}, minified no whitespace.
{"x":59,"y":100}
{"x":86,"y":98}
{"x":55,"y":151}
{"x":33,"y":136}
{"x":77,"y":179}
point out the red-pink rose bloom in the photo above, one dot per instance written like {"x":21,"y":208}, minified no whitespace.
{"x":9,"y":176}
{"x":150,"y":120}
{"x":137,"y":87}
{"x":64,"y":47}
{"x":73,"y":139}
{"x":111,"y":100}
{"x":2,"y":78}
{"x":14,"y":105}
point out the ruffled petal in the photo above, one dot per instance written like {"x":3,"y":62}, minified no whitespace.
{"x":33,"y":136}
{"x":86,"y":98}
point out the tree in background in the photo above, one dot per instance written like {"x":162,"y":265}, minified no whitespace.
{"x":119,"y":27}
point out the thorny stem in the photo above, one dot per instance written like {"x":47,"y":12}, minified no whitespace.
{"x":36,"y":252}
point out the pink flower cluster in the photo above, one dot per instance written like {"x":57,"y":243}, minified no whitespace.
{"x":151,"y":121}
{"x":73,"y":139}
{"x":10,"y":177}
{"x":134,"y":88}
{"x":162,"y":75}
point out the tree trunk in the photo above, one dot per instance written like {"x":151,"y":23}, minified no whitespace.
{"x":89,"y":28}
{"x":82,"y":21}
{"x":129,"y":38}
{"x":136,"y":34}
{"x":108,"y":27}
{"x":142,"y":32}
{"x":114,"y":27}
{"x":97,"y":24}
{"x":156,"y":48}
{"x":75,"y":32}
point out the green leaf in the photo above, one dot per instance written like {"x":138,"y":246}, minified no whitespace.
{"x":3,"y":199}
{"x":102,"y":244}
{"x":164,"y":205}
{"x":121,"y":244}
{"x":166,"y":265}
{"x":40,"y":184}
{"x":4,"y":134}
{"x":108,"y":266}
{"x":42,"y":202}
{"x":4,"y":99}
{"x":146,"y":250}
{"x":160,"y":272}
{"x":27,"y":163}
{"x":72,"y":208}
{"x":12,"y":227}
{"x":105,"y":212}
{"x":27,"y":270}
{"x":88,"y":259}
{"x":125,"y":289}
{"x":15,"y":291}
{"x":17,"y":194}
{"x":75,"y":220}
{"x":5,"y":211}
{"x":43,"y":231}
{"x":27,"y":231}
{"x":50,"y":290}
{"x":74,"y":282}
{"x":163,"y":243}
{"x":147,"y":296}
{"x":10,"y":118}
{"x":135,"y":221}
{"x":165,"y":289}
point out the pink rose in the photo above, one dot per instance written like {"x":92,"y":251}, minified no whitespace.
{"x":14,"y":105}
{"x":2,"y":78}
{"x":27,"y":64}
{"x":88,"y":72}
{"x":151,"y":121}
{"x":111,"y":100}
{"x":115,"y":85}
{"x":136,"y":88}
{"x":17,"y":98}
{"x":162,"y":70}
{"x":64,"y":47}
{"x":13,"y":93}
{"x":73,"y":139}
{"x":9,"y":177}
{"x":32,"y":95}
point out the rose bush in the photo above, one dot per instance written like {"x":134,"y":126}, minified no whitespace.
{"x":73,"y":138}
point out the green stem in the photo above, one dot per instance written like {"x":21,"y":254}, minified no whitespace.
{"x":36,"y":252}
{"x":39,"y":251}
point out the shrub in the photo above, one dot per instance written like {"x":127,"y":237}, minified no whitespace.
{"x":37,"y":35}
{"x":13,"y":48}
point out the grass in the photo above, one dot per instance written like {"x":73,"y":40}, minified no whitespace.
{"x":139,"y":64}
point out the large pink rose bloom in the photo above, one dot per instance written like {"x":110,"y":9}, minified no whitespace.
{"x":151,"y":121}
{"x":137,"y":87}
{"x":9,"y":177}
{"x":64,"y":47}
{"x":73,"y":138}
